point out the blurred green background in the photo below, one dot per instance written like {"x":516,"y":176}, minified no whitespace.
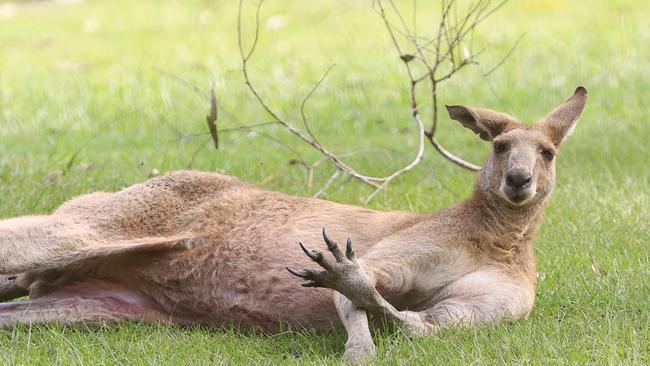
{"x":98,"y":95}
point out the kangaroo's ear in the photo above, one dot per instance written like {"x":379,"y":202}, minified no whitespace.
{"x":486,"y":123}
{"x":561,"y":122}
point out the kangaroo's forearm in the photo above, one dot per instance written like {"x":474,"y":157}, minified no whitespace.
{"x":370,"y":299}
{"x":413,"y":321}
{"x":359,"y":345}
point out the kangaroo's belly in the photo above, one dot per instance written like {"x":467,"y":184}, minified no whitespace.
{"x":242,"y":281}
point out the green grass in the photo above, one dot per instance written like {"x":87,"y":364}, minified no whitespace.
{"x":87,"y":102}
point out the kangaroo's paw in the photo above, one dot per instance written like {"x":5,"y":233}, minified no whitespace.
{"x":343,"y":275}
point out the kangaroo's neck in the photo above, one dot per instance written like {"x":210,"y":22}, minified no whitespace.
{"x":501,"y":232}
{"x":503,"y":221}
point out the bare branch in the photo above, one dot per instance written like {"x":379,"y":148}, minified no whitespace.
{"x":308,"y":136}
{"x":449,"y":54}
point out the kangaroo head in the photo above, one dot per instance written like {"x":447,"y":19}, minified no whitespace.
{"x":521,"y":167}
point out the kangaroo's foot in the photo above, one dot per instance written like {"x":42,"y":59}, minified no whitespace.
{"x":89,"y":302}
{"x":344,"y":275}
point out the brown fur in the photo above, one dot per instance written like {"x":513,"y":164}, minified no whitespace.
{"x":193,"y":247}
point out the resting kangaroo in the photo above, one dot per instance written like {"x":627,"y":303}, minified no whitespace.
{"x":203,"y":248}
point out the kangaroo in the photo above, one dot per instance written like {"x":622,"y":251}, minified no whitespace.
{"x":202,"y":248}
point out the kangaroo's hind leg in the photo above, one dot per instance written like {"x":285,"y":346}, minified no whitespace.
{"x":142,"y":217}
{"x":89,"y":302}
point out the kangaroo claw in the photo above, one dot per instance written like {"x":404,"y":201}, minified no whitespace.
{"x":314,"y":255}
{"x":302,"y":274}
{"x":349,"y":253}
{"x":333,"y":247}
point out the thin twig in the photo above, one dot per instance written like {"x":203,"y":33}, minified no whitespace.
{"x":512,"y":49}
{"x":195,"y":88}
{"x":328,"y":183}
{"x":305,"y":122}
{"x":196,"y":152}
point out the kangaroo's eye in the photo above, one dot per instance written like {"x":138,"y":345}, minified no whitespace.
{"x":500,"y":147}
{"x":548,"y":154}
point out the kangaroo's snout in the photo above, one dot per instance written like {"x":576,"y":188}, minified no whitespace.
{"x":518,"y":178}
{"x":518,"y":185}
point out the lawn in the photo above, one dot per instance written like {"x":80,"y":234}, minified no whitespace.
{"x":98,"y":95}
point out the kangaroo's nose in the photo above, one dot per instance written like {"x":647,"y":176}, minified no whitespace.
{"x":518,"y":178}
